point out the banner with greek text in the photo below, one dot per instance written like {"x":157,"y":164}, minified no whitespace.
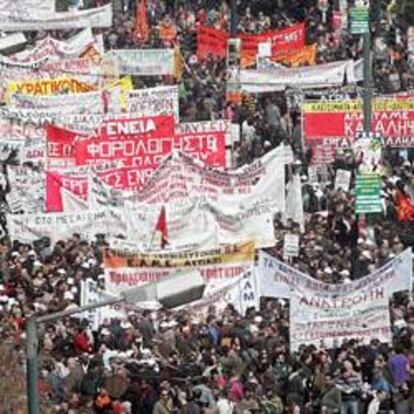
{"x":278,"y":79}
{"x":277,"y":279}
{"x":57,"y":226}
{"x":240,"y":292}
{"x":29,"y":19}
{"x":24,"y":150}
{"x":337,"y":123}
{"x":90,"y":294}
{"x":29,"y":185}
{"x":148,"y":148}
{"x":134,"y":142}
{"x":328,"y":322}
{"x":162,"y":100}
{"x":60,"y":147}
{"x":260,"y":183}
{"x":49,"y":50}
{"x":197,"y":222}
{"x":123,"y":271}
{"x":48,"y":86}
{"x":145,"y":62}
{"x":47,"y":6}
{"x":89,"y":102}
{"x":213,"y":42}
{"x":77,"y":183}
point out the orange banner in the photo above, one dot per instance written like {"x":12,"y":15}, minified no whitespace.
{"x":142,"y":29}
{"x":293,"y":58}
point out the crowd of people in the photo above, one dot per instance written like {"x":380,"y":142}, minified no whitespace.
{"x":162,"y":362}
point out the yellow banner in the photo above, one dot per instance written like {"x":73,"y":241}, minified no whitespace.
{"x":235,"y":253}
{"x":378,"y":105}
{"x":48,"y":86}
{"x":126,"y":85}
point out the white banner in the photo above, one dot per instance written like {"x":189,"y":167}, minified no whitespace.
{"x":319,"y":76}
{"x":91,"y":295}
{"x":362,"y":315}
{"x":277,"y":279}
{"x":33,"y":19}
{"x":30,"y":227}
{"x":291,"y":245}
{"x":195,"y":222}
{"x":145,"y":62}
{"x":95,"y":102}
{"x":260,"y":184}
{"x":294,"y":202}
{"x":342,"y":180}
{"x":162,"y":100}
{"x":25,"y":150}
{"x":50,"y":49}
{"x":29,"y":185}
{"x":241,"y":292}
{"x":12,"y":40}
{"x":203,"y":127}
{"x":47,"y":6}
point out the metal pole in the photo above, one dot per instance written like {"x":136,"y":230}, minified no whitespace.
{"x":233,"y":18}
{"x":68,"y":312}
{"x":367,"y":82}
{"x":32,"y":341}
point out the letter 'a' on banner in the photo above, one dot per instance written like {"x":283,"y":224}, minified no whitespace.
{"x":233,"y":91}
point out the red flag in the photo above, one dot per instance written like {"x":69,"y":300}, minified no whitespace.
{"x":142,"y":28}
{"x":162,"y":227}
{"x":405,"y":209}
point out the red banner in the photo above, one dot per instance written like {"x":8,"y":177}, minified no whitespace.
{"x":126,"y":179}
{"x":145,"y":127}
{"x":336,"y":123}
{"x":61,"y":142}
{"x":60,"y":147}
{"x":211,"y":41}
{"x":289,"y":38}
{"x":148,"y":152}
{"x":78,"y":185}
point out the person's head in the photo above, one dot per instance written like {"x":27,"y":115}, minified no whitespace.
{"x":348,"y":365}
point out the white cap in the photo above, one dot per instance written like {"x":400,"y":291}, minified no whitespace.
{"x":68,"y":296}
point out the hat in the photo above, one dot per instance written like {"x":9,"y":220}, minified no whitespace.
{"x":328,"y":270}
{"x":344,"y":272}
{"x":15,"y":254}
{"x":367,"y":254}
{"x":105,"y":332}
{"x":68,"y":296}
{"x":400,"y":324}
{"x":32,"y":253}
{"x":61,"y":271}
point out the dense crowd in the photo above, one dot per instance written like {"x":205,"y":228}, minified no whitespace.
{"x":179,"y":362}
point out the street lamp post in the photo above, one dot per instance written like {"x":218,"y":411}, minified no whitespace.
{"x":169,"y":292}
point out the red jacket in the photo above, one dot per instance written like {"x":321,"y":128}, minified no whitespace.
{"x":81,"y":342}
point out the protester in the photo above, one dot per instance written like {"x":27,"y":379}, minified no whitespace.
{"x":182,"y":362}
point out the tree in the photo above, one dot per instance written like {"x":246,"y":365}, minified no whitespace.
{"x":405,"y":9}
